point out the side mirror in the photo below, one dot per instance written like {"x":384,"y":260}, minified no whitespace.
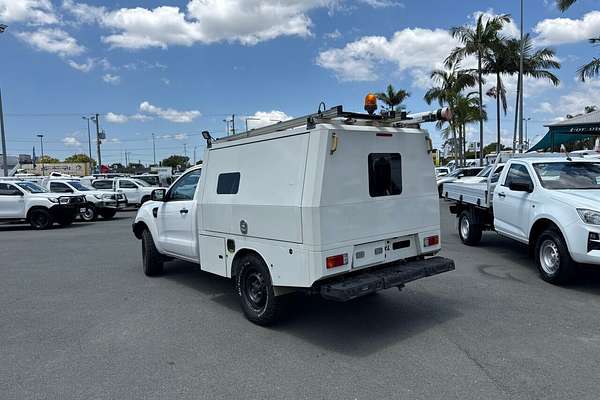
{"x":521,"y":186}
{"x":159,"y":194}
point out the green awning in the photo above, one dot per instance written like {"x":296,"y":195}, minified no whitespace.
{"x":558,"y":135}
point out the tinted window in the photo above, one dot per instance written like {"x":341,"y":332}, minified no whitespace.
{"x":185,"y":187}
{"x":471,"y":171}
{"x":59,"y":187}
{"x":79,"y":186}
{"x":517,"y":173}
{"x":7,"y":190}
{"x":31,"y":187}
{"x":127,"y":185}
{"x":102,"y":184}
{"x":385,"y":174}
{"x":228,"y":183}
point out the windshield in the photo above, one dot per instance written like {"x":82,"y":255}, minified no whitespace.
{"x":141,"y":182}
{"x":456,"y":173}
{"x":485,"y":172}
{"x":568,"y":175}
{"x":31,"y":187}
{"x":79,"y":186}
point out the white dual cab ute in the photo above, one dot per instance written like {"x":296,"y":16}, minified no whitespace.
{"x":550,"y":201}
{"x":335,"y":203}
{"x":97,"y":202}
{"x":136,"y":191}
{"x":30,"y":202}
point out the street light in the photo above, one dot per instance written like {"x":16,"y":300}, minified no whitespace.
{"x":42,"y":146}
{"x":527,"y":131}
{"x":89,"y":142}
{"x":4,"y":155}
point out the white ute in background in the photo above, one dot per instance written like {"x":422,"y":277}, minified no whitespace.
{"x":335,"y":203}
{"x":136,"y":191}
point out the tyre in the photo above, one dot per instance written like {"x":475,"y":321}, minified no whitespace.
{"x":40,"y":219}
{"x":553,"y":259}
{"x":90,"y":213}
{"x":108,"y":213}
{"x":469,"y":231}
{"x":152,"y":260}
{"x":255,"y":291}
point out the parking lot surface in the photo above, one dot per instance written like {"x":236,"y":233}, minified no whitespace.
{"x":80,"y":320}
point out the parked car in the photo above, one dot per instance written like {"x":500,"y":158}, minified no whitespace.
{"x":97,"y":202}
{"x":288,"y":208}
{"x":136,"y":192}
{"x":150,"y":179}
{"x":552,"y":204}
{"x":458,"y":173}
{"x":441,"y":171}
{"x":30,"y":202}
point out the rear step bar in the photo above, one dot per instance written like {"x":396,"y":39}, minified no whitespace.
{"x":372,"y":280}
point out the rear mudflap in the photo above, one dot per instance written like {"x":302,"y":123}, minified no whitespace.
{"x":351,"y":286}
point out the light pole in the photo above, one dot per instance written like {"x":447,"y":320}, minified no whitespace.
{"x":96,"y":119}
{"x":89,"y":142}
{"x":522,"y":83}
{"x":154,"y":148}
{"x":4,"y":155}
{"x":227,"y":129}
{"x":527,"y":131}
{"x":42,"y":146}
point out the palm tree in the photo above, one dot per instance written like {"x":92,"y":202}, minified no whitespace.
{"x":450,"y":83}
{"x":563,"y":5}
{"x":498,"y":62}
{"x":535,"y":64}
{"x":392,"y":98}
{"x":591,"y":69}
{"x":478,"y":41}
{"x":468,"y":110}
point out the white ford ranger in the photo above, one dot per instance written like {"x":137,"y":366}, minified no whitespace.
{"x":28,"y":201}
{"x":335,"y":203}
{"x":98,"y":202}
{"x":136,"y":191}
{"x":550,"y":202}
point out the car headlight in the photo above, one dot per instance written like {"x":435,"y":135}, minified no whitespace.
{"x":64,"y":200}
{"x":107,"y":196}
{"x":589,"y":216}
{"x":98,"y":196}
{"x":53,"y":200}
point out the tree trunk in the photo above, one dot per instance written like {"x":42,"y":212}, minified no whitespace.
{"x":516,"y":114}
{"x":498,"y":88}
{"x":454,"y":147}
{"x":480,"y":106}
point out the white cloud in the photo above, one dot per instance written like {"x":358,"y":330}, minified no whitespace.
{"x":545,"y":108}
{"x":510,"y":29}
{"x":410,"y":49}
{"x":333,"y":35}
{"x":36,"y":12}
{"x":180,"y":136}
{"x":166,"y":81}
{"x":382,"y":3}
{"x":141,"y":117}
{"x":84,"y":13}
{"x":86,"y":66}
{"x":116,"y":118}
{"x":264,"y":118}
{"x":566,"y":30}
{"x":71,"y":141}
{"x":169,"y":114}
{"x":582,"y":95}
{"x":112,"y":79}
{"x":52,"y":40}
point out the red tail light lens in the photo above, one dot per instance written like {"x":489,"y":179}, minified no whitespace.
{"x":432,"y":241}
{"x":336,"y":261}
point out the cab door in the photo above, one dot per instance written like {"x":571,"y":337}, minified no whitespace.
{"x":130,"y":189}
{"x":176,"y":216}
{"x":513,"y":203}
{"x":12,"y":201}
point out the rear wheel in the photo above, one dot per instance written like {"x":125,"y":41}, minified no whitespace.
{"x":152,"y":260}
{"x":89,"y":214}
{"x":40,"y":219}
{"x":469,"y":231}
{"x":108,"y":213}
{"x":553,"y":259}
{"x":255,"y":291}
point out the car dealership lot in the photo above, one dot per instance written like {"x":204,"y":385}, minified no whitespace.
{"x":80,"y":320}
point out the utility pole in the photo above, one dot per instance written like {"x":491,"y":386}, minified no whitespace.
{"x":233,"y":124}
{"x":195,"y":147}
{"x":154,"y":148}
{"x":98,"y":142}
{"x":522,"y":84}
{"x":126,"y":159}
{"x":227,"y":127}
{"x":4,"y":155}
{"x":185,"y":149}
{"x":42,"y":146}
{"x":89,"y":143}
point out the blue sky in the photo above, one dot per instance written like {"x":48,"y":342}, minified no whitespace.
{"x":175,"y":68}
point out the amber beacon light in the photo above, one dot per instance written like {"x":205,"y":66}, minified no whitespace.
{"x":370,"y":103}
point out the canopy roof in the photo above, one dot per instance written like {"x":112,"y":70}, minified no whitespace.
{"x":580,"y":127}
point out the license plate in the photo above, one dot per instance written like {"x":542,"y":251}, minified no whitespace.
{"x":82,"y":210}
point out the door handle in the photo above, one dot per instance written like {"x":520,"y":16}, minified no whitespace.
{"x":183,"y":211}
{"x":501,"y":195}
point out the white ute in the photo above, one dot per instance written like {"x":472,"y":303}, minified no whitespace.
{"x":136,"y":191}
{"x":549,"y":201}
{"x":28,"y":201}
{"x":335,"y":203}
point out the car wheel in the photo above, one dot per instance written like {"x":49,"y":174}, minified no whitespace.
{"x":108,"y":213}
{"x":40,"y":219}
{"x":90,"y":213}
{"x":469,"y":231}
{"x":255,"y":291}
{"x":152,"y":260}
{"x":553,"y":259}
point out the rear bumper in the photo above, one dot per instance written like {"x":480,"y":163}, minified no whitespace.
{"x":350,"y":286}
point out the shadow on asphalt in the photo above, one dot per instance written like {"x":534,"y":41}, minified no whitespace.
{"x":357,"y":328}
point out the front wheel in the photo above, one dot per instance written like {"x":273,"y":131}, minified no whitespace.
{"x":553,"y":259}
{"x":89,"y":214}
{"x":255,"y":291}
{"x":40,"y":219}
{"x":469,"y":231}
{"x":152,"y":260}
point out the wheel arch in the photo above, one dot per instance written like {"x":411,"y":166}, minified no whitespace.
{"x":34,"y":208}
{"x":139,"y":227}
{"x":538,"y":227}
{"x":240,"y":253}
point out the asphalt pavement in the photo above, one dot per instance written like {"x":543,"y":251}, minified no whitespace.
{"x":79,"y":320}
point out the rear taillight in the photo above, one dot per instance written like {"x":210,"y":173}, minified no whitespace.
{"x":336,"y":261}
{"x":431,"y":241}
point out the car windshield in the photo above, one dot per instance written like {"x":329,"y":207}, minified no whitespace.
{"x":31,"y":187}
{"x":456,"y":173}
{"x":141,"y":182}
{"x":568,"y":175}
{"x":485,"y":172}
{"x":79,"y":186}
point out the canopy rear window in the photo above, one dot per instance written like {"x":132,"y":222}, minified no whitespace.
{"x":385,"y":174}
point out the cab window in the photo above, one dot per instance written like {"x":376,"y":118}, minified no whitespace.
{"x":127,"y":185}
{"x":185,"y":187}
{"x":59,"y":187}
{"x":517,"y":173}
{"x":8,"y":190}
{"x":102,"y":184}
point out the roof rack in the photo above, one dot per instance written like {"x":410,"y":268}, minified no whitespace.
{"x":391,"y":118}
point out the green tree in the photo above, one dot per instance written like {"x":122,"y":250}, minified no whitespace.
{"x":392,"y":97}
{"x":591,"y":69}
{"x":176,"y":160}
{"x":47,"y":160}
{"x":492,"y":147}
{"x":563,"y":5}
{"x":79,"y":158}
{"x":467,"y":110}
{"x":478,"y":41}
{"x":117,"y":167}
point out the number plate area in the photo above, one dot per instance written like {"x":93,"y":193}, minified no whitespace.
{"x":383,"y":251}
